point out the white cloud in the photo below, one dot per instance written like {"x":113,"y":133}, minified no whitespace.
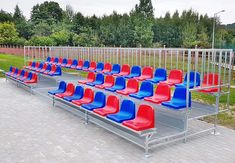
{"x":100,"y":7}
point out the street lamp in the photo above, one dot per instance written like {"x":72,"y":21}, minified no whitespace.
{"x":214,"y":20}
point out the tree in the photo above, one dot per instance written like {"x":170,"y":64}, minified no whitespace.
{"x":49,"y":12}
{"x":18,"y":16}
{"x":145,"y":8}
{"x":8,"y":33}
{"x":189,"y":35}
{"x":5,"y":17}
{"x":42,"y":29}
{"x":61,"y":38}
{"x":78,"y":22}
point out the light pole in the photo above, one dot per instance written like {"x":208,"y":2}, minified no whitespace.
{"x":214,"y":21}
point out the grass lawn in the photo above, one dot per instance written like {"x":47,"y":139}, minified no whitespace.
{"x":226,"y":119}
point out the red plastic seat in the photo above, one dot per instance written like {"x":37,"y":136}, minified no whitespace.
{"x":52,"y":59}
{"x":175,"y":77}
{"x":36,"y":66}
{"x":80,"y":64}
{"x":69,"y":63}
{"x":109,"y":82}
{"x":43,"y":68}
{"x":87,"y":98}
{"x":162,"y":93}
{"x":69,"y":91}
{"x":144,"y":119}
{"x":29,"y":65}
{"x":92,"y":66}
{"x":107,"y":68}
{"x":13,"y":71}
{"x":90,"y":78}
{"x":132,"y":87}
{"x":147,"y":73}
{"x":210,"y":79}
{"x":25,"y":76}
{"x":60,"y":61}
{"x":124,"y":71}
{"x":33,"y":80}
{"x":111,"y":107}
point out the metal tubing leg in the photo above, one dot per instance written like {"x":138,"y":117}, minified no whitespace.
{"x":215,"y":132}
{"x":53,"y":101}
{"x":86,"y":117}
{"x":146,"y":148}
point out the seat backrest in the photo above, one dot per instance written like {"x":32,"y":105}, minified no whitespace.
{"x":128,"y":106}
{"x":113,"y":102}
{"x":91,"y":76}
{"x":65,"y":61}
{"x":116,"y":67}
{"x":146,"y":86}
{"x":108,"y":66}
{"x":62,"y":86}
{"x":109,"y":79}
{"x":44,"y":66}
{"x":10,"y":69}
{"x":86,"y":64}
{"x":176,"y":74}
{"x":100,"y":99}
{"x":100,"y":66}
{"x":37,"y":64}
{"x":146,"y":112}
{"x":60,"y":60}
{"x":33,"y":64}
{"x":99,"y":77}
{"x":208,"y":78}
{"x":22,"y":73}
{"x":40,"y":66}
{"x":75,"y":62}
{"x":58,"y":70}
{"x":48,"y":67}
{"x":52,"y":59}
{"x":48,"y":59}
{"x":93,"y":64}
{"x":56,"y":60}
{"x":88,"y":93}
{"x":13,"y":69}
{"x":133,"y":84}
{"x":16,"y":71}
{"x":181,"y":94}
{"x":125,"y":68}
{"x":120,"y":81}
{"x":163,"y":90}
{"x":53,"y":68}
{"x":70,"y":88}
{"x":26,"y":74}
{"x":160,"y":73}
{"x":148,"y":71}
{"x":136,"y":70}
{"x":35,"y":77}
{"x":79,"y":91}
{"x":30,"y":75}
{"x":70,"y":61}
{"x":19,"y":72}
{"x":80,"y":63}
{"x":192,"y":77}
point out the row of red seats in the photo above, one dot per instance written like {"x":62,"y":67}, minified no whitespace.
{"x":96,"y":103}
{"x":22,"y":75}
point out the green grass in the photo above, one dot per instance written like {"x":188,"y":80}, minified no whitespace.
{"x":7,"y":60}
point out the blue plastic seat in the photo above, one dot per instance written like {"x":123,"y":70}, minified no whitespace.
{"x":135,"y":72}
{"x":10,"y":71}
{"x":64,"y":62}
{"x":192,"y":76}
{"x":30,"y":75}
{"x":21,"y":74}
{"x":86,"y":65}
{"x":61,"y":89}
{"x":78,"y":94}
{"x":15,"y":73}
{"x":99,"y":67}
{"x":120,"y":84}
{"x":127,"y":112}
{"x":48,"y":69}
{"x":56,"y":60}
{"x":39,"y":67}
{"x":159,"y":75}
{"x":98,"y":80}
{"x":74,"y":64}
{"x":99,"y":102}
{"x":146,"y":90}
{"x":179,"y":99}
{"x":48,"y":59}
{"x":115,"y":70}
{"x":32,"y":66}
{"x":58,"y":72}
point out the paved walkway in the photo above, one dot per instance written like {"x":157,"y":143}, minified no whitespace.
{"x":32,"y":131}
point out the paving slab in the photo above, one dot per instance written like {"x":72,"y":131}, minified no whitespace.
{"x":32,"y":131}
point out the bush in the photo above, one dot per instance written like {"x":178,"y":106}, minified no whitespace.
{"x":41,"y":41}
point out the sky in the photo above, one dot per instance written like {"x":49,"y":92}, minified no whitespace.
{"x":101,"y":7}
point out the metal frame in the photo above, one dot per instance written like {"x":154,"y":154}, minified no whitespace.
{"x":201,"y":60}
